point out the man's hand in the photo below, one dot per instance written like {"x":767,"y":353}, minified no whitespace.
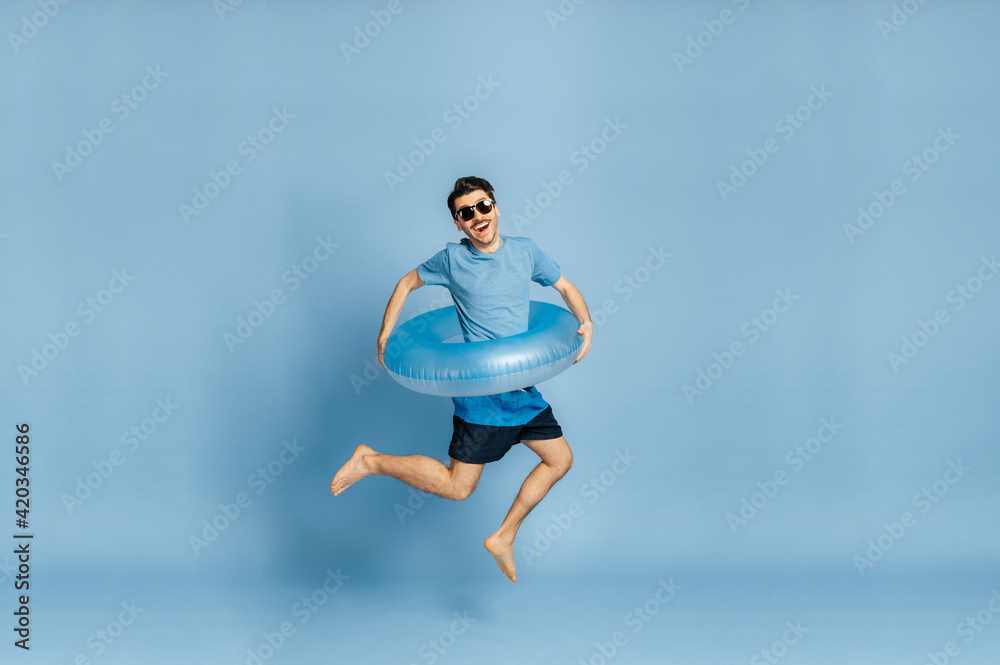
{"x":579,"y":308}
{"x":587,"y":330}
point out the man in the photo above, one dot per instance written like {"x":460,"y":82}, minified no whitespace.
{"x":489,"y":276}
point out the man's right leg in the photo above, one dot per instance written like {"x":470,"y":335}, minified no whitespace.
{"x":556,"y":461}
{"x":424,"y":473}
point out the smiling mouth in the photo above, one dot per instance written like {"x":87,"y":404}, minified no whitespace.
{"x":481,"y":228}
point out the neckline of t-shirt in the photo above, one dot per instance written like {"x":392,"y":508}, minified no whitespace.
{"x":479,"y":252}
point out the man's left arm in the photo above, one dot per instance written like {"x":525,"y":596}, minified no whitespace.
{"x":576,"y":305}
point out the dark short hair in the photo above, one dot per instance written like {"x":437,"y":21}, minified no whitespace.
{"x":467,"y":185}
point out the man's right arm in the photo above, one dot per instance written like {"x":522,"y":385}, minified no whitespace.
{"x":410,"y":282}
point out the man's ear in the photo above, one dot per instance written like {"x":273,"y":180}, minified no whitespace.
{"x":457,"y":224}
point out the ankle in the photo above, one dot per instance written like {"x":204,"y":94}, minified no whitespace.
{"x":503,"y":536}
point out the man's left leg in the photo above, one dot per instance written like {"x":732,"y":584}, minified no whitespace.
{"x":556,"y":461}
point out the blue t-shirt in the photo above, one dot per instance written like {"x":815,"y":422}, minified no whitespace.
{"x":492,"y":296}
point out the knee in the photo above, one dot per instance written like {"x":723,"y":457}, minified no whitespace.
{"x":460,"y":492}
{"x":562,"y":464}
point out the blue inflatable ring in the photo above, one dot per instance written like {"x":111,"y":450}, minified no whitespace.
{"x":418,"y":358}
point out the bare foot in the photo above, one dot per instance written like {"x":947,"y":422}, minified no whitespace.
{"x":355,"y":469}
{"x":503,"y":552}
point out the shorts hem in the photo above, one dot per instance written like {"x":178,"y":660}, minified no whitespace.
{"x":472,"y":443}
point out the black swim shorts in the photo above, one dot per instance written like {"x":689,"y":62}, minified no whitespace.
{"x":480,"y":444}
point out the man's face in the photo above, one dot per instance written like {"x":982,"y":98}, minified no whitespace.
{"x":481,"y":229}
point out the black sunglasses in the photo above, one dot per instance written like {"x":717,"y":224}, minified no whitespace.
{"x":466,"y":214}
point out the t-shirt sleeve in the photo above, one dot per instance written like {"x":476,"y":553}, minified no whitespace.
{"x":435,"y":270}
{"x":546,"y":271}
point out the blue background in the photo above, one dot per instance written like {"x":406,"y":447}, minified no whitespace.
{"x":306,"y":373}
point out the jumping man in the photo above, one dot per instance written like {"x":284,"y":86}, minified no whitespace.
{"x":489,"y":277}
